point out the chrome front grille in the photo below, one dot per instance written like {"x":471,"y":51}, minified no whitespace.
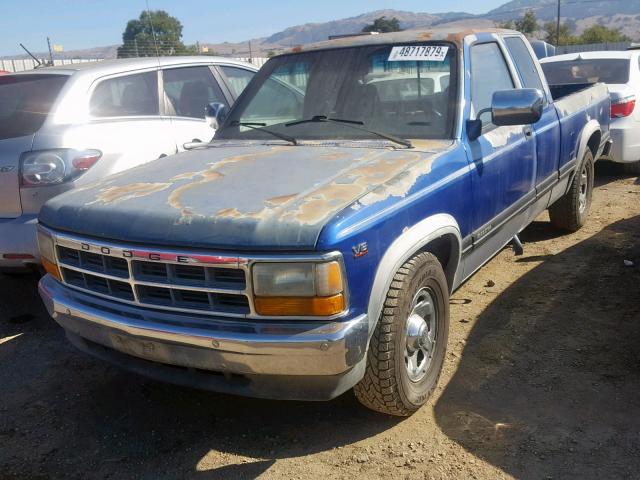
{"x":182,"y":281}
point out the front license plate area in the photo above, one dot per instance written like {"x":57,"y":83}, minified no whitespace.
{"x":138,"y":348}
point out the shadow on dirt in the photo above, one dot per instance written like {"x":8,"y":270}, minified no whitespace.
{"x":609,"y":172}
{"x":548,"y":384}
{"x":64,"y":414}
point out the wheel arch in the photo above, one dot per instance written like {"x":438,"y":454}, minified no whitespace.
{"x":438,"y":234}
{"x":589,"y":139}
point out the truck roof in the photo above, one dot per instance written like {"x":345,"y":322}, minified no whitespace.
{"x":454,"y":35}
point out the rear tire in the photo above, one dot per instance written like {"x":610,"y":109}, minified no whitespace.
{"x":571,"y":210}
{"x":407,"y":349}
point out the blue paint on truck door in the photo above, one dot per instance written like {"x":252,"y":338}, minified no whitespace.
{"x":504,"y":175}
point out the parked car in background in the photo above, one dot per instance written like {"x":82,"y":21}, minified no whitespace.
{"x":312,"y":247}
{"x":62,"y":127}
{"x":621,"y":72}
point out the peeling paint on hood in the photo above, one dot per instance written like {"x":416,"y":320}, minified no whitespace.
{"x":266,"y":196}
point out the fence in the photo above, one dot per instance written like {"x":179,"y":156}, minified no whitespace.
{"x":20,"y":65}
{"x":591,"y":47}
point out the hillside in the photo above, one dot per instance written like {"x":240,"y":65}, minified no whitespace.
{"x":622,"y":15}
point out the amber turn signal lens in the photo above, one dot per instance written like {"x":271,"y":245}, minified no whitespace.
{"x":51,"y":268}
{"x":302,"y":306}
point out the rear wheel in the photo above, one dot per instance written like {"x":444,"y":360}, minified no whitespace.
{"x":409,"y":342}
{"x":571,"y":210}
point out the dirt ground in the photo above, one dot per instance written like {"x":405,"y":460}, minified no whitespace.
{"x":541,"y":380}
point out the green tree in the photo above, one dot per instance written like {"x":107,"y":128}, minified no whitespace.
{"x":153,"y":33}
{"x":383,"y":25}
{"x":566,"y":37}
{"x":601,"y":34}
{"x":528,"y":24}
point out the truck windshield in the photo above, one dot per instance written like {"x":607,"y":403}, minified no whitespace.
{"x":25,"y":102}
{"x":405,"y":91}
{"x":595,"y":70}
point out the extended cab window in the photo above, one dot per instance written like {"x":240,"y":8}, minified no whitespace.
{"x":129,"y":95}
{"x":237,"y":78}
{"x":489,"y":73}
{"x":190,"y":90}
{"x":524,"y":63}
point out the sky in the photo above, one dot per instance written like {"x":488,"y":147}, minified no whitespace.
{"x":78,"y":24}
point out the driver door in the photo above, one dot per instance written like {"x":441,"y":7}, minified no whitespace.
{"x":503,"y":180}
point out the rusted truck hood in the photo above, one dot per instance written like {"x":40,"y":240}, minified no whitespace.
{"x":239,"y":196}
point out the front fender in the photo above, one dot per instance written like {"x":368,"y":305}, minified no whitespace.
{"x":404,"y":247}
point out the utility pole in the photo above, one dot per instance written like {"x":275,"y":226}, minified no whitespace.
{"x":50,"y":52}
{"x":135,"y":43}
{"x":558,"y":27}
{"x":250,"y":54}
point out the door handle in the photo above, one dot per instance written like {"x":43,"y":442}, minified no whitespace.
{"x":528,"y":131}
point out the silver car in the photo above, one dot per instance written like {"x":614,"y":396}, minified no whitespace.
{"x":63,"y":127}
{"x":621,"y":72}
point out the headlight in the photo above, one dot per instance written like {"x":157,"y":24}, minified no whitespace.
{"x":51,"y":167}
{"x":304,"y":289}
{"x":48,"y":254}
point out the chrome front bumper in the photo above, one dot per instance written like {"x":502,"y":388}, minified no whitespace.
{"x":305,"y":360}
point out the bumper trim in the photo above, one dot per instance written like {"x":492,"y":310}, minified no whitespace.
{"x":290,"y":349}
{"x":273,"y":387}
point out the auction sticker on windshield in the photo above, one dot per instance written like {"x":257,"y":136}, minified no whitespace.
{"x":433,"y":53}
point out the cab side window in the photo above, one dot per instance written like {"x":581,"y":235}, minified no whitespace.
{"x":190,"y":90}
{"x":524,"y":63}
{"x":489,"y":74}
{"x":129,"y":95}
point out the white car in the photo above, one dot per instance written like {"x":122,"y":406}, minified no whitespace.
{"x":620,"y":70}
{"x":63,"y":127}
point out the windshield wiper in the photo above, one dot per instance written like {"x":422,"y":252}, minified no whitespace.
{"x":353,"y":124}
{"x":260,"y":127}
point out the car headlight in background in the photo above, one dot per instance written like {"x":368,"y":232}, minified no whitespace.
{"x":52,"y":167}
{"x":298,"y":288}
{"x":48,"y":254}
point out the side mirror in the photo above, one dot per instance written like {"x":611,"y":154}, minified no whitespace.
{"x":522,"y":106}
{"x":517,"y":107}
{"x":215,"y":113}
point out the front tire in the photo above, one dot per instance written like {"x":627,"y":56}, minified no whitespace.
{"x":407,"y":349}
{"x":571,"y":210}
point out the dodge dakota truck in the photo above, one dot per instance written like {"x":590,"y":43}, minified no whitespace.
{"x":312,"y":247}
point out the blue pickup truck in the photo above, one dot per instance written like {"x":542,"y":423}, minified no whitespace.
{"x":312,"y":247}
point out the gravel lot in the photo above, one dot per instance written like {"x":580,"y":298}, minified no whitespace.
{"x":541,"y":380}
